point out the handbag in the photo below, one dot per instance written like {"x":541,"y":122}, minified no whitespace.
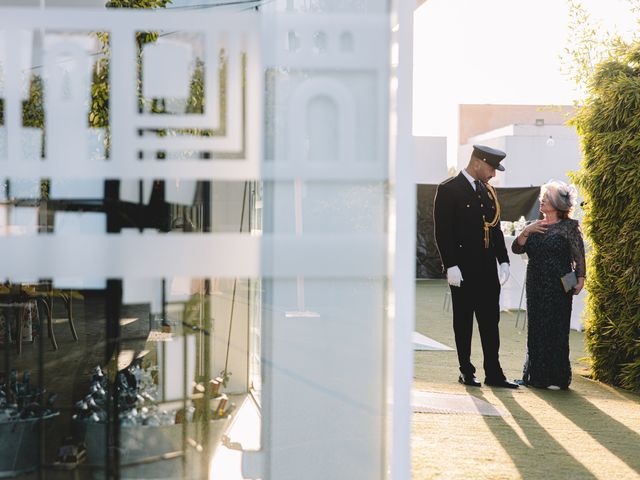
{"x":569,"y":281}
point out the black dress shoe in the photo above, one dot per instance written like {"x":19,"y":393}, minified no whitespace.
{"x":469,"y":379}
{"x":501,"y":383}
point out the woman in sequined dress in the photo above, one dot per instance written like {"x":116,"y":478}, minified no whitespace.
{"x":555,"y":247}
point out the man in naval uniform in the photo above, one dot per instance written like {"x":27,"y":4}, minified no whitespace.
{"x":467,"y":227}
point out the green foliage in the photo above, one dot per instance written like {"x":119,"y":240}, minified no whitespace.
{"x":608,"y":123}
{"x":589,"y":45}
{"x":195,"y":103}
{"x":33,"y":107}
{"x":137,"y":3}
{"x":98,"y":117}
{"x":141,"y":37}
{"x":99,"y":112}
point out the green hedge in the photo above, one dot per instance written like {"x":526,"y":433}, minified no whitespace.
{"x":609,"y":126}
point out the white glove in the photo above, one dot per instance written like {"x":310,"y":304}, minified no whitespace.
{"x":454,"y":276}
{"x":503,"y":273}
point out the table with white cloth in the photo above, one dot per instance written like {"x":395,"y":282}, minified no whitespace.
{"x":512,"y":290}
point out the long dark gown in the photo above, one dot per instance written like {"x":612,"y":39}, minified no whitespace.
{"x":551,"y":255}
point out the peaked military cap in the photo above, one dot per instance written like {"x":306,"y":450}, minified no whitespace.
{"x":489,"y":155}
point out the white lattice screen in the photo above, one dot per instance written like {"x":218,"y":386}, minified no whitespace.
{"x":295,"y":103}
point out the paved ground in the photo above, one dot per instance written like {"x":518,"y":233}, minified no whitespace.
{"x":590,"y":431}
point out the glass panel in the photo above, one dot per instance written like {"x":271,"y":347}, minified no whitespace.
{"x":124,"y":314}
{"x":175,"y":299}
{"x":117,"y":387}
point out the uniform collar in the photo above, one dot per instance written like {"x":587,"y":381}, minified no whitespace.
{"x":470,"y":178}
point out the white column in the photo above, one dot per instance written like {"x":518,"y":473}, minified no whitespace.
{"x":403,"y":224}
{"x":326,"y":172}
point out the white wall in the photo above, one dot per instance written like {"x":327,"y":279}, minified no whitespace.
{"x":532,"y":158}
{"x":533,"y":162}
{"x":430,"y":155}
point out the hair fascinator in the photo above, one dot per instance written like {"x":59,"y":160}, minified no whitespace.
{"x":562,"y":196}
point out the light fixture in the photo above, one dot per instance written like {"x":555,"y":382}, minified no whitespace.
{"x":550,"y":141}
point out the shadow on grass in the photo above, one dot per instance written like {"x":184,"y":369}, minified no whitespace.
{"x":544,"y":457}
{"x":613,"y":435}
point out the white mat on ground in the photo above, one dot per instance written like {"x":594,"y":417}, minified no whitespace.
{"x":432,"y":402}
{"x":420,"y":342}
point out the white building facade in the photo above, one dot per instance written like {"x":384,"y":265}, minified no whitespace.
{"x":535,"y":154}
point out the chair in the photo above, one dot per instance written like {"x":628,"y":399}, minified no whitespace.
{"x":22,"y":312}
{"x":524,"y":324}
{"x":67,"y":297}
{"x":75,"y":223}
{"x":44,"y":293}
{"x":15,"y":297}
{"x":446,"y":304}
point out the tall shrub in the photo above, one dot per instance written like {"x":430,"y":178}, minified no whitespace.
{"x":608,"y":123}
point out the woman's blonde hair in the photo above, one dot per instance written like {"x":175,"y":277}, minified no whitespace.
{"x":561,"y":196}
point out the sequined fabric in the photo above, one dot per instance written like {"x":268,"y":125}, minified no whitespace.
{"x":551,"y":255}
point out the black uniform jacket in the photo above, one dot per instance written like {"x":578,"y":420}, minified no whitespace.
{"x":459,"y":230}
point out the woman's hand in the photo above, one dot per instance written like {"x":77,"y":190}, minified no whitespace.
{"x":579,"y":286}
{"x":535,"y":227}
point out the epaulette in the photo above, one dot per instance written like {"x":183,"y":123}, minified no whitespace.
{"x":447,"y":180}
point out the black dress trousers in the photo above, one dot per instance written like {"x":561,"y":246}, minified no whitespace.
{"x":480,"y":295}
